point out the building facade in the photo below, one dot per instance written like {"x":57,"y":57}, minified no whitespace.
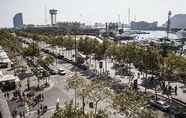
{"x":177,"y":21}
{"x":142,"y":25}
{"x":18,"y":20}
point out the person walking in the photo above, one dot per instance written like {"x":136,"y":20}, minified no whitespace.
{"x":24,"y":114}
{"x":38,"y":113}
{"x":175,"y":89}
{"x":8,"y":95}
{"x":170,"y":89}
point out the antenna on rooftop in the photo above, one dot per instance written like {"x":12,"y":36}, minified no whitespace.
{"x":129,"y":16}
{"x":119,"y":20}
{"x":45,"y":10}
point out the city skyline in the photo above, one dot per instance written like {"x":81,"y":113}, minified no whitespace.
{"x":35,"y":12}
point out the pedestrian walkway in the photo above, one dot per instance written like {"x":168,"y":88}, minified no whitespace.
{"x":181,"y":88}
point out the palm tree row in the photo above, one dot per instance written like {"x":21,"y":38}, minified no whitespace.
{"x":9,"y":42}
{"x":146,"y":59}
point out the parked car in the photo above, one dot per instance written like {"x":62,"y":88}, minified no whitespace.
{"x":160,"y":104}
{"x":60,"y":56}
{"x":61,"y":71}
{"x":180,"y":115}
{"x":53,"y":72}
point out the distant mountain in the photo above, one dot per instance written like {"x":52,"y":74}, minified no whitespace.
{"x":178,"y":21}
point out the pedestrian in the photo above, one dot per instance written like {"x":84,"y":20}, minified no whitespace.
{"x":42,"y":95}
{"x":170,"y":88}
{"x":138,"y":75}
{"x":41,"y":108}
{"x":5,"y":95}
{"x":38,"y":112}
{"x":8,"y":95}
{"x":20,"y":114}
{"x":165,"y":90}
{"x":175,"y":88}
{"x":24,"y":114}
{"x":14,"y":114}
{"x":23,"y":94}
{"x":163,"y":84}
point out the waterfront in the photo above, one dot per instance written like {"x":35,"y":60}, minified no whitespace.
{"x":70,"y":59}
{"x":155,"y":35}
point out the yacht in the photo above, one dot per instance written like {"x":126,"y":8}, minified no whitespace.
{"x":181,"y":34}
{"x":127,"y":35}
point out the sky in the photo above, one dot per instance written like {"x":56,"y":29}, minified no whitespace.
{"x":89,"y":11}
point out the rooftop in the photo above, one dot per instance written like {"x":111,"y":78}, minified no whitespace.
{"x":3,"y":56}
{"x":4,"y":78}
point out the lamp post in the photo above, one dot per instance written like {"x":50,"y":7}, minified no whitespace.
{"x":57,"y":104}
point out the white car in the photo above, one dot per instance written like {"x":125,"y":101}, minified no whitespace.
{"x":61,"y":71}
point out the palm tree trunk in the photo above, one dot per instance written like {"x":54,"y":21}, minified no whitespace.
{"x":75,"y":97}
{"x":96,"y":107}
{"x":83,"y":104}
{"x":28,"y":83}
{"x":38,"y":82}
{"x":95,"y":63}
{"x":90,"y":61}
{"x":145,"y":78}
{"x":46,"y":81}
{"x":156,"y":93}
{"x":105,"y":64}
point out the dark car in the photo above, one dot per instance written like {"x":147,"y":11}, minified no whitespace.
{"x":160,"y":104}
{"x":53,"y":72}
{"x":180,"y":115}
{"x":60,"y":56}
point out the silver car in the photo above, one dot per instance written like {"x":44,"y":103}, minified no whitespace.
{"x":160,"y":104}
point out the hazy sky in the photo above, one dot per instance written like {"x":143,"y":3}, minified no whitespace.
{"x":89,"y":11}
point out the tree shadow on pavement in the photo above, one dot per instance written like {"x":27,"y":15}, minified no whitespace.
{"x":150,"y":83}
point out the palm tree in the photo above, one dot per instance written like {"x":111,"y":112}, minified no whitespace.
{"x":99,"y":92}
{"x":75,"y":83}
{"x":132,"y":104}
{"x":45,"y":62}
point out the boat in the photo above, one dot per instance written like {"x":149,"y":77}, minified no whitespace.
{"x":140,"y":32}
{"x":181,"y":34}
{"x":127,"y":35}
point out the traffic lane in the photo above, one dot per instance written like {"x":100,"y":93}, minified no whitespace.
{"x":173,"y":107}
{"x":59,"y":90}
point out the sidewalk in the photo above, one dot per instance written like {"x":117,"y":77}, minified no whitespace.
{"x":181,"y":88}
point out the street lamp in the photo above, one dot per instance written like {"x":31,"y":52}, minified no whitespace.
{"x":75,"y":33}
{"x":57,"y":104}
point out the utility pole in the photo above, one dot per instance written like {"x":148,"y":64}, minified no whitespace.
{"x":106,"y":27}
{"x":168,"y":23}
{"x":45,"y":8}
{"x":119,"y":22}
{"x":129,"y":17}
{"x":75,"y":48}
